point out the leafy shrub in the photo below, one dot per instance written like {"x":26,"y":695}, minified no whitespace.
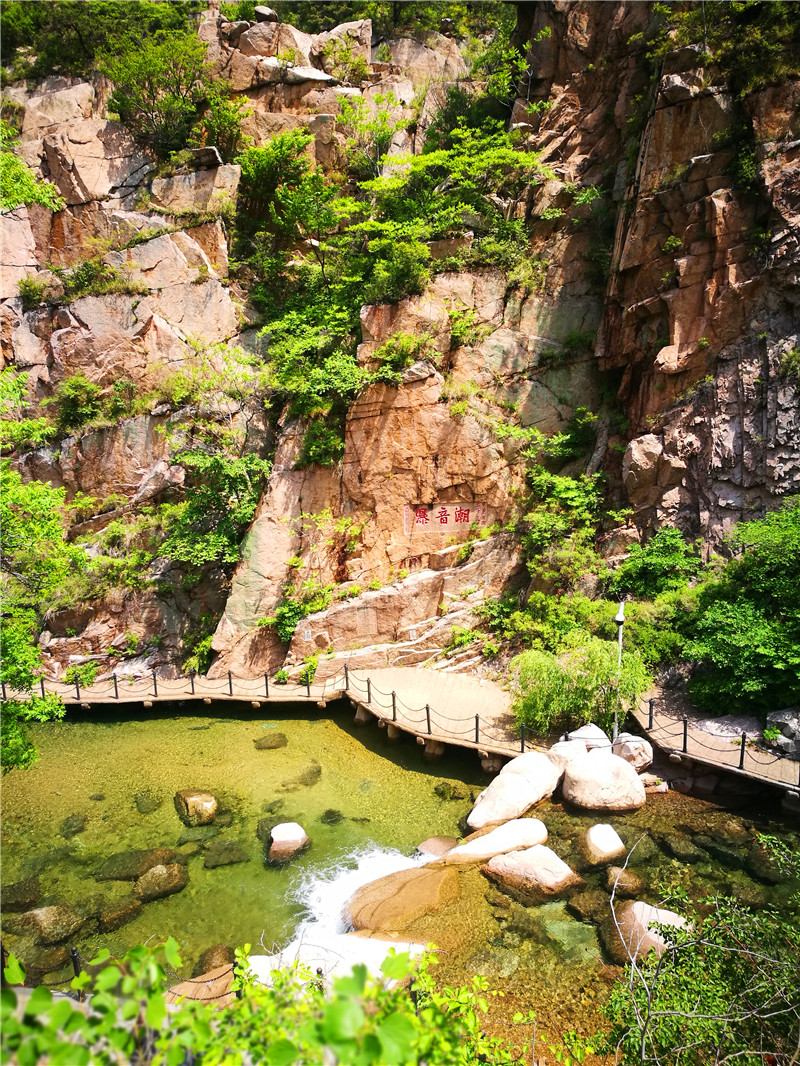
{"x":221,"y":122}
{"x":18,"y":184}
{"x":77,"y":401}
{"x":95,"y":277}
{"x":282,"y":677}
{"x":31,"y":291}
{"x":396,"y":353}
{"x":789,"y":365}
{"x":307,"y":673}
{"x":579,"y":685}
{"x":349,"y":68}
{"x":672,"y":244}
{"x":322,"y":444}
{"x":84,"y":673}
{"x":665,"y":562}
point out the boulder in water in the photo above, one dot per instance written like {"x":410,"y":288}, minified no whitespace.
{"x":601,"y":781}
{"x":535,"y":875}
{"x":224,"y":853}
{"x":160,"y":881}
{"x":194,"y":807}
{"x":72,"y":825}
{"x":623,"y":882}
{"x":635,"y":750}
{"x":146,"y":802}
{"x":271,"y":741}
{"x":287,"y":840}
{"x":565,"y":751}
{"x":511,"y":836}
{"x":635,"y":931}
{"x":214,"y":958}
{"x":21,"y":895}
{"x":49,"y":925}
{"x":435,"y":847}
{"x":507,"y":797}
{"x":601,"y":844}
{"x":591,"y":735}
{"x":119,"y":913}
{"x":391,"y":903}
{"x":130,"y":865}
{"x":538,"y":769}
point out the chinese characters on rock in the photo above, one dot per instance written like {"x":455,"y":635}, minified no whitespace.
{"x":444,"y":517}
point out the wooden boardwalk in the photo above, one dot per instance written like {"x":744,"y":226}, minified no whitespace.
{"x":438,"y":709}
{"x":434,"y":707}
{"x":679,"y":735}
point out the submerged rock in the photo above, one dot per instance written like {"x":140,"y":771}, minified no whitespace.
{"x":520,"y":833}
{"x":213,"y":958}
{"x":446,"y":790}
{"x":331,"y":817}
{"x":287,"y":840}
{"x":130,"y":865}
{"x":764,"y":866}
{"x":199,"y":835}
{"x":72,"y":825}
{"x":224,"y":853}
{"x":162,"y":881}
{"x":589,"y":906}
{"x":623,"y":882}
{"x":49,"y":925}
{"x":195,"y":808}
{"x":22,"y":895}
{"x":635,"y":932}
{"x":535,"y":875}
{"x":550,"y":925}
{"x":146,"y":802}
{"x":271,"y":741}
{"x":119,"y":913}
{"x":601,"y":781}
{"x":680,"y":847}
{"x":436,"y":846}
{"x":391,"y":903}
{"x":733,"y":858}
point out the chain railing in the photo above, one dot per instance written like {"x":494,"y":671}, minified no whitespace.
{"x":743,"y":754}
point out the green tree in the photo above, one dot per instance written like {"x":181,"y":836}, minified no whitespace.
{"x":158,"y":85}
{"x":221,"y":123}
{"x":665,"y":562}
{"x":36,"y":561}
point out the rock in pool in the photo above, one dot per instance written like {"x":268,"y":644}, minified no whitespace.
{"x":72,"y":825}
{"x":535,"y":875}
{"x":22,"y":895}
{"x":213,"y":958}
{"x":623,"y":882}
{"x":591,"y":735}
{"x":635,"y":750}
{"x":119,"y":913}
{"x":195,"y":808}
{"x":287,"y":840}
{"x":601,"y":781}
{"x":436,"y":846}
{"x":391,"y":903}
{"x":507,"y":797}
{"x":511,"y":836}
{"x":637,"y":934}
{"x":565,"y":751}
{"x":49,"y":925}
{"x":130,"y":865}
{"x":601,"y":844}
{"x":271,"y":741}
{"x":538,"y":769}
{"x":224,"y":853}
{"x":160,"y":881}
{"x":146,"y":802}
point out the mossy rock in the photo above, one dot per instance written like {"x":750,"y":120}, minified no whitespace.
{"x":271,"y":741}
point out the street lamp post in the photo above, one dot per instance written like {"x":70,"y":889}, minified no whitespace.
{"x":620,"y":620}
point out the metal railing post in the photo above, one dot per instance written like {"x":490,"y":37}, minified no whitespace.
{"x":741,"y":752}
{"x":369,"y":691}
{"x":191,"y":679}
{"x":394,"y":706}
{"x":650,"y":715}
{"x":77,"y":689}
{"x":477,"y":728}
{"x":41,"y":685}
{"x":346,"y":678}
{"x":230,"y":684}
{"x":266,"y":684}
{"x":4,"y":688}
{"x":155,"y":685}
{"x":522,"y":737}
{"x":428,"y":716}
{"x":685,"y":734}
{"x":308,"y":681}
{"x":116,"y":686}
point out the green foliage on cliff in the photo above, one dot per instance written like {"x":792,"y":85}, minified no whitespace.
{"x":67,"y":36}
{"x":19,"y":186}
{"x":665,"y":562}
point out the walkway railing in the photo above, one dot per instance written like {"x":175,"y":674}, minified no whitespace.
{"x":678,"y":734}
{"x":465,"y":730}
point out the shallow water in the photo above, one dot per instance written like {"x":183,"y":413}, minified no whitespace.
{"x":386,"y":786}
{"x":94,"y":767}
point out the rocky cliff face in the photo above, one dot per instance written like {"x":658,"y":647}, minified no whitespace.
{"x":687,"y":282}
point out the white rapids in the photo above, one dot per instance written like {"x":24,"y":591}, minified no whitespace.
{"x":324,"y":940}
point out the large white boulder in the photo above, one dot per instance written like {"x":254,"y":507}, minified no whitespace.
{"x":635,"y":750}
{"x":601,"y":781}
{"x":565,"y":751}
{"x":538,"y":769}
{"x":508,"y":796}
{"x":535,"y":875}
{"x":631,"y":931}
{"x":591,"y":735}
{"x":601,"y":844}
{"x":512,"y":836}
{"x":286,"y":841}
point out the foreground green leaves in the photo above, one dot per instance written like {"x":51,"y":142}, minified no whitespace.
{"x":400,"y":1019}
